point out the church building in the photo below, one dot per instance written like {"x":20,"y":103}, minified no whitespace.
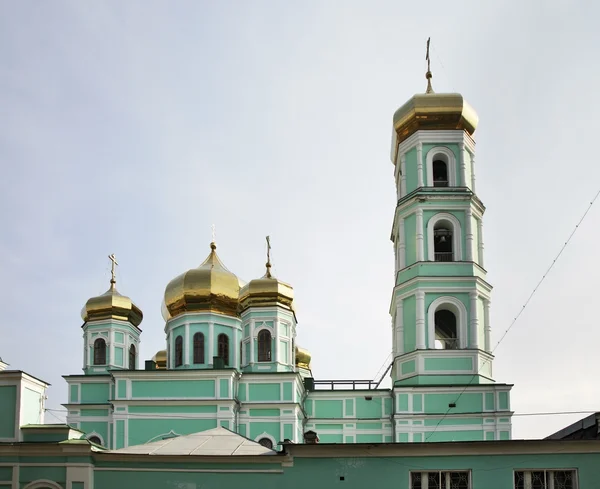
{"x":231,"y":358}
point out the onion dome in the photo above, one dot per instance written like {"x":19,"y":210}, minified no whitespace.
{"x":160,"y":358}
{"x":112,"y":305}
{"x":303,"y":358}
{"x":434,"y":111}
{"x":208,"y":288}
{"x":267,"y":291}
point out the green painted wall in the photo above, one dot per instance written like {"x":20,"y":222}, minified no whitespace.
{"x":369,"y":409}
{"x":8,"y":400}
{"x":173,"y":388}
{"x":409,"y":313}
{"x":99,"y":427}
{"x":95,"y":392}
{"x":328,"y":408}
{"x":410,"y":226}
{"x":264,"y":392}
{"x":411,"y":170}
{"x":449,"y":364}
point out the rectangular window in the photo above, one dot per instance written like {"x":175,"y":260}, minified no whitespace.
{"x":441,"y":479}
{"x":545,"y":479}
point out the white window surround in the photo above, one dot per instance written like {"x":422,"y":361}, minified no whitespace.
{"x":43,"y":483}
{"x":98,"y":435}
{"x":455,"y":306}
{"x":444,"y":154}
{"x":264,"y":434}
{"x":456,"y":235}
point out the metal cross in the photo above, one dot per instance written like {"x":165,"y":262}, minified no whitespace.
{"x":114,"y":263}
{"x":269,"y":249}
{"x":214,"y":234}
{"x":427,"y":55}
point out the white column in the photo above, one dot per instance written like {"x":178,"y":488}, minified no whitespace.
{"x":399,"y":329}
{"x":401,"y":246}
{"x":276,"y":338}
{"x":420,"y":321}
{"x":186,"y":344}
{"x":111,"y":348}
{"x":251,"y":359}
{"x":469,"y":233}
{"x":474,"y":343}
{"x":463,"y":166}
{"x":419,"y":233}
{"x":236,"y":349}
{"x":403,"y":176}
{"x":473,"y":173}
{"x":420,"y":165}
{"x":480,"y":244}
{"x":211,"y":342}
{"x":487,"y":326}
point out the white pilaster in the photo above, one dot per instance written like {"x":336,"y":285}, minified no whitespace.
{"x":474,"y":343}
{"x":419,"y":233}
{"x":480,"y":245}
{"x":469,"y":233}
{"x":111,"y":348}
{"x":186,"y":344}
{"x":399,"y":329}
{"x":276,"y":338}
{"x":463,"y":165}
{"x":211,"y":342}
{"x":401,"y":246}
{"x":420,"y":164}
{"x":251,"y":359}
{"x":403,"y":176}
{"x":487,"y":326}
{"x":473,"y":173}
{"x":420,"y":320}
{"x":236,"y":350}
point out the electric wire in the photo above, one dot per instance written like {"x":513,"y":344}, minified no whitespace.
{"x":533,"y":292}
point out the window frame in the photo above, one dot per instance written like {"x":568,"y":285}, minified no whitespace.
{"x":459,"y":310}
{"x":225,"y":348}
{"x":266,"y":355}
{"x":178,"y":360}
{"x":445,"y":154}
{"x":199,"y":348}
{"x":132,"y":346}
{"x":96,"y":349}
{"x":448,"y":471}
{"x":559,"y":469}
{"x":452,"y":220}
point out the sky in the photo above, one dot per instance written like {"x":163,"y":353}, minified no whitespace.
{"x":132,"y":127}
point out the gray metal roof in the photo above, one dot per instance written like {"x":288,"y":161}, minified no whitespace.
{"x":215,"y":442}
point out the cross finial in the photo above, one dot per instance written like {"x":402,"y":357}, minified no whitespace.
{"x":428,"y":75}
{"x":113,"y":278}
{"x":213,"y":242}
{"x":268,"y":264}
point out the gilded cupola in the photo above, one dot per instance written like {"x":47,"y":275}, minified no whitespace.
{"x":267,"y":290}
{"x":433,"y":111}
{"x":208,"y":288}
{"x":303,"y":358}
{"x":112,"y":305}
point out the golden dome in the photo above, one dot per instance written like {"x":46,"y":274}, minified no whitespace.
{"x":303,"y":358}
{"x":210,"y":287}
{"x":267,"y":291}
{"x":112,"y":305}
{"x":434,"y":111}
{"x":160,"y":358}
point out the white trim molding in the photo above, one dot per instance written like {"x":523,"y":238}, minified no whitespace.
{"x":457,"y":308}
{"x":43,"y":484}
{"x":446,"y":155}
{"x":266,"y":435}
{"x":456,"y":235}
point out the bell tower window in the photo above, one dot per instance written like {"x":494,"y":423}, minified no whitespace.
{"x":442,"y":242}
{"x":179,"y":351}
{"x":132,"y":357}
{"x":440,"y":173}
{"x":198,"y":348}
{"x":223,"y":347}
{"x":99,"y":352}
{"x":446,"y":331}
{"x":264,"y":346}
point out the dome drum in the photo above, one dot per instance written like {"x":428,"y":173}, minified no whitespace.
{"x":266,"y":292}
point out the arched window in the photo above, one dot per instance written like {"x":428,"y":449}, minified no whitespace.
{"x":442,"y":242}
{"x":99,"y":352}
{"x":440,"y":173}
{"x":95,"y":439}
{"x":132,"y":357}
{"x":264,"y":346}
{"x":446,"y":331}
{"x":179,"y":351}
{"x":241,"y":352}
{"x":265,"y":442}
{"x":223,"y":347}
{"x":199,"y":348}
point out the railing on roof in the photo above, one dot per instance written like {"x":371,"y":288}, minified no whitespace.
{"x":345,"y":384}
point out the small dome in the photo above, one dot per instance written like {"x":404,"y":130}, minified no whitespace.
{"x":303,"y":358}
{"x":160,"y":358}
{"x":210,"y":287}
{"x":112,"y":305}
{"x":267,"y":291}
{"x":434,"y":111}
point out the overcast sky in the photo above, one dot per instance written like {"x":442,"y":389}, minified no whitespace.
{"x":131,"y":127}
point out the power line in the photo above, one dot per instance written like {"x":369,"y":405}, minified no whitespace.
{"x":535,"y":289}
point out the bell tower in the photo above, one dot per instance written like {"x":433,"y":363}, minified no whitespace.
{"x":442,"y":370}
